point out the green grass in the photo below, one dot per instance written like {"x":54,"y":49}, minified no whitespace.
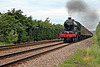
{"x":4,"y":44}
{"x":88,"y":57}
{"x":76,"y":60}
{"x":95,"y":53}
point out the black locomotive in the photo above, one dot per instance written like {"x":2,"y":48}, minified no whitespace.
{"x":74,"y":31}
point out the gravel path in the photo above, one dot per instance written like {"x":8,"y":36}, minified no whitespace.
{"x":53,"y":58}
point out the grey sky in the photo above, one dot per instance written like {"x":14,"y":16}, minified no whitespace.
{"x":41,"y":9}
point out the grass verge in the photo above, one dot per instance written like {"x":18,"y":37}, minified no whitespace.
{"x":4,"y":44}
{"x":88,"y":57}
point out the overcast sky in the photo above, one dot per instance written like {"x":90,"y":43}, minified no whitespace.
{"x":41,"y":9}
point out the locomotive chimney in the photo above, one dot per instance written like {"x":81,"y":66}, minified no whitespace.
{"x":69,"y":18}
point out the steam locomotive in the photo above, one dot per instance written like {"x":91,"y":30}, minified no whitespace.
{"x":74,"y":31}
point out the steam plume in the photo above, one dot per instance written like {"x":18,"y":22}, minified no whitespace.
{"x":86,"y":14}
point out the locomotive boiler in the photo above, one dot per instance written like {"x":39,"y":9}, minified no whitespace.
{"x":74,"y":31}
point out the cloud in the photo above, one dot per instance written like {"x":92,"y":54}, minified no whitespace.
{"x":20,"y":2}
{"x":38,"y":9}
{"x":50,"y":12}
{"x":57,"y":15}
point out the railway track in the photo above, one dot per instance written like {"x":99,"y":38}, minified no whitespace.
{"x":7,"y":59}
{"x":10,"y":58}
{"x":27,"y":44}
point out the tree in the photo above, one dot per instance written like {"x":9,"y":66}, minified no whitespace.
{"x":17,"y":28}
{"x":12,"y":36}
{"x":98,"y":31}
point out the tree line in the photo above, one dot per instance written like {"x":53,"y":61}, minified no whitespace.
{"x":98,"y":32}
{"x":18,"y":28}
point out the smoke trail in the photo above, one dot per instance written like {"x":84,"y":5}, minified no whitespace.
{"x":76,"y":6}
{"x":80,"y":9}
